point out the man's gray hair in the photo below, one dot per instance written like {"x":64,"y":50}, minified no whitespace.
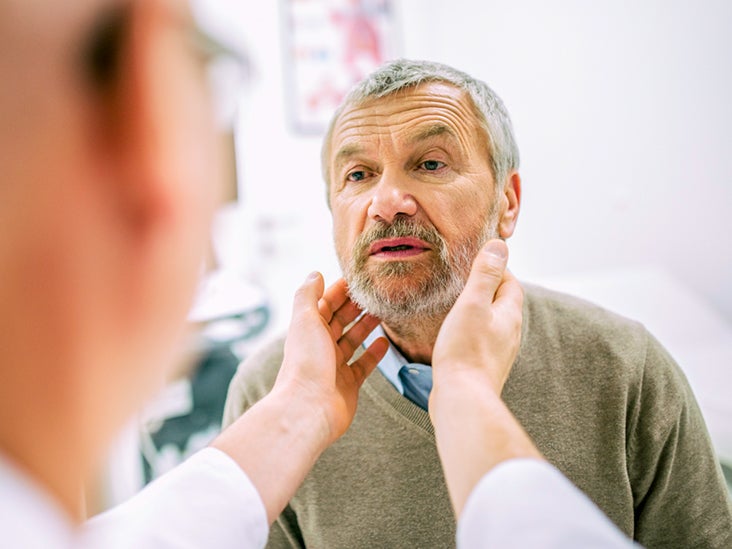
{"x":405,"y":73}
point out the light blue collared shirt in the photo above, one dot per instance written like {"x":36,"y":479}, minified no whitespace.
{"x":393,"y":361}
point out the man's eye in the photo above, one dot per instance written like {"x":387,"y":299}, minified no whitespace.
{"x":358,"y":175}
{"x":432,"y":165}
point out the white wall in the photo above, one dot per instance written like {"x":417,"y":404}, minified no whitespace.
{"x":622,"y":114}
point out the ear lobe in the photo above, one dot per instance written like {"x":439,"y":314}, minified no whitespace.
{"x":512,"y":198}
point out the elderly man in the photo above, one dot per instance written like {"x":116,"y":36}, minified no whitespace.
{"x":422,"y":168}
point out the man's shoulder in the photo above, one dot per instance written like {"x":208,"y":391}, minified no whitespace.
{"x":264,"y":362}
{"x":568,"y":332}
{"x":569,"y":329}
{"x":543,"y":306}
{"x":254,"y":378}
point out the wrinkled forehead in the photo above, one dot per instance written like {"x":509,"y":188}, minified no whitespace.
{"x":412,"y":114}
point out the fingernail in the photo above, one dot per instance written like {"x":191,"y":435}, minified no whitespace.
{"x":312,"y":276}
{"x":496,"y":248}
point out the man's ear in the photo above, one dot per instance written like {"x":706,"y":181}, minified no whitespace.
{"x":511,"y":205}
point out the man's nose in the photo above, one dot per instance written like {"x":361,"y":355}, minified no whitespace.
{"x":391,"y":197}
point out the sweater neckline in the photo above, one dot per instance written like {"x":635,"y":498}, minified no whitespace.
{"x":388,"y":398}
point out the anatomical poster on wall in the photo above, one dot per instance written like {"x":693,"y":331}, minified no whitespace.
{"x":329,"y":45}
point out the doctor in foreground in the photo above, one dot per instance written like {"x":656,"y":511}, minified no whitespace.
{"x":108,"y":170}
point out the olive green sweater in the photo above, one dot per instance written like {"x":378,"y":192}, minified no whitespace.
{"x":599,"y":396}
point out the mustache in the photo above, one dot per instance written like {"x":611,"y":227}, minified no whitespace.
{"x":400,"y":227}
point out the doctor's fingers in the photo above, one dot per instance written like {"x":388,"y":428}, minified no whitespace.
{"x":334,"y":298}
{"x":356,"y":335}
{"x":343,"y":317}
{"x":509,"y":299}
{"x":368,"y":361}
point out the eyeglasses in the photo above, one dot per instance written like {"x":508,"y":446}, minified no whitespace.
{"x":228,"y":71}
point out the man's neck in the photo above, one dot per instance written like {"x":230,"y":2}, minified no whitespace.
{"x":415,"y":339}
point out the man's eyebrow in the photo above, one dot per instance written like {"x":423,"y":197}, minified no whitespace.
{"x":430,"y":131}
{"x":345,"y":152}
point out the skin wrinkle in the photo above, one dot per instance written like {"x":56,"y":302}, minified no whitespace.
{"x":423,"y":137}
{"x":358,"y":153}
{"x":357,"y":127}
{"x":356,"y":122}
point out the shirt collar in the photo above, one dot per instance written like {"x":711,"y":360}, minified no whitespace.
{"x":29,"y":517}
{"x":393,"y":360}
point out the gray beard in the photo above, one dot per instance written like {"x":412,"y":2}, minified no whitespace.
{"x":381,"y":289}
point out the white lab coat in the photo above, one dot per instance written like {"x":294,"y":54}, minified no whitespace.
{"x":527,"y":503}
{"x":208,"y":501}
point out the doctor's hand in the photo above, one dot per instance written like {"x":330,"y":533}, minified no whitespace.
{"x":313,"y":401}
{"x":321,"y":340}
{"x":481,"y":335}
{"x":475,"y":349}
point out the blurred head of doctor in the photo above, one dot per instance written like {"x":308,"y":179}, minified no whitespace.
{"x":109,"y":174}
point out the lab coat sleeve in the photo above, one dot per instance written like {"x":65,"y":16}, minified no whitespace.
{"x":528,"y":503}
{"x":207,"y":501}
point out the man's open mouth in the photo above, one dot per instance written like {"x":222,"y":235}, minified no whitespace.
{"x":398,"y":247}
